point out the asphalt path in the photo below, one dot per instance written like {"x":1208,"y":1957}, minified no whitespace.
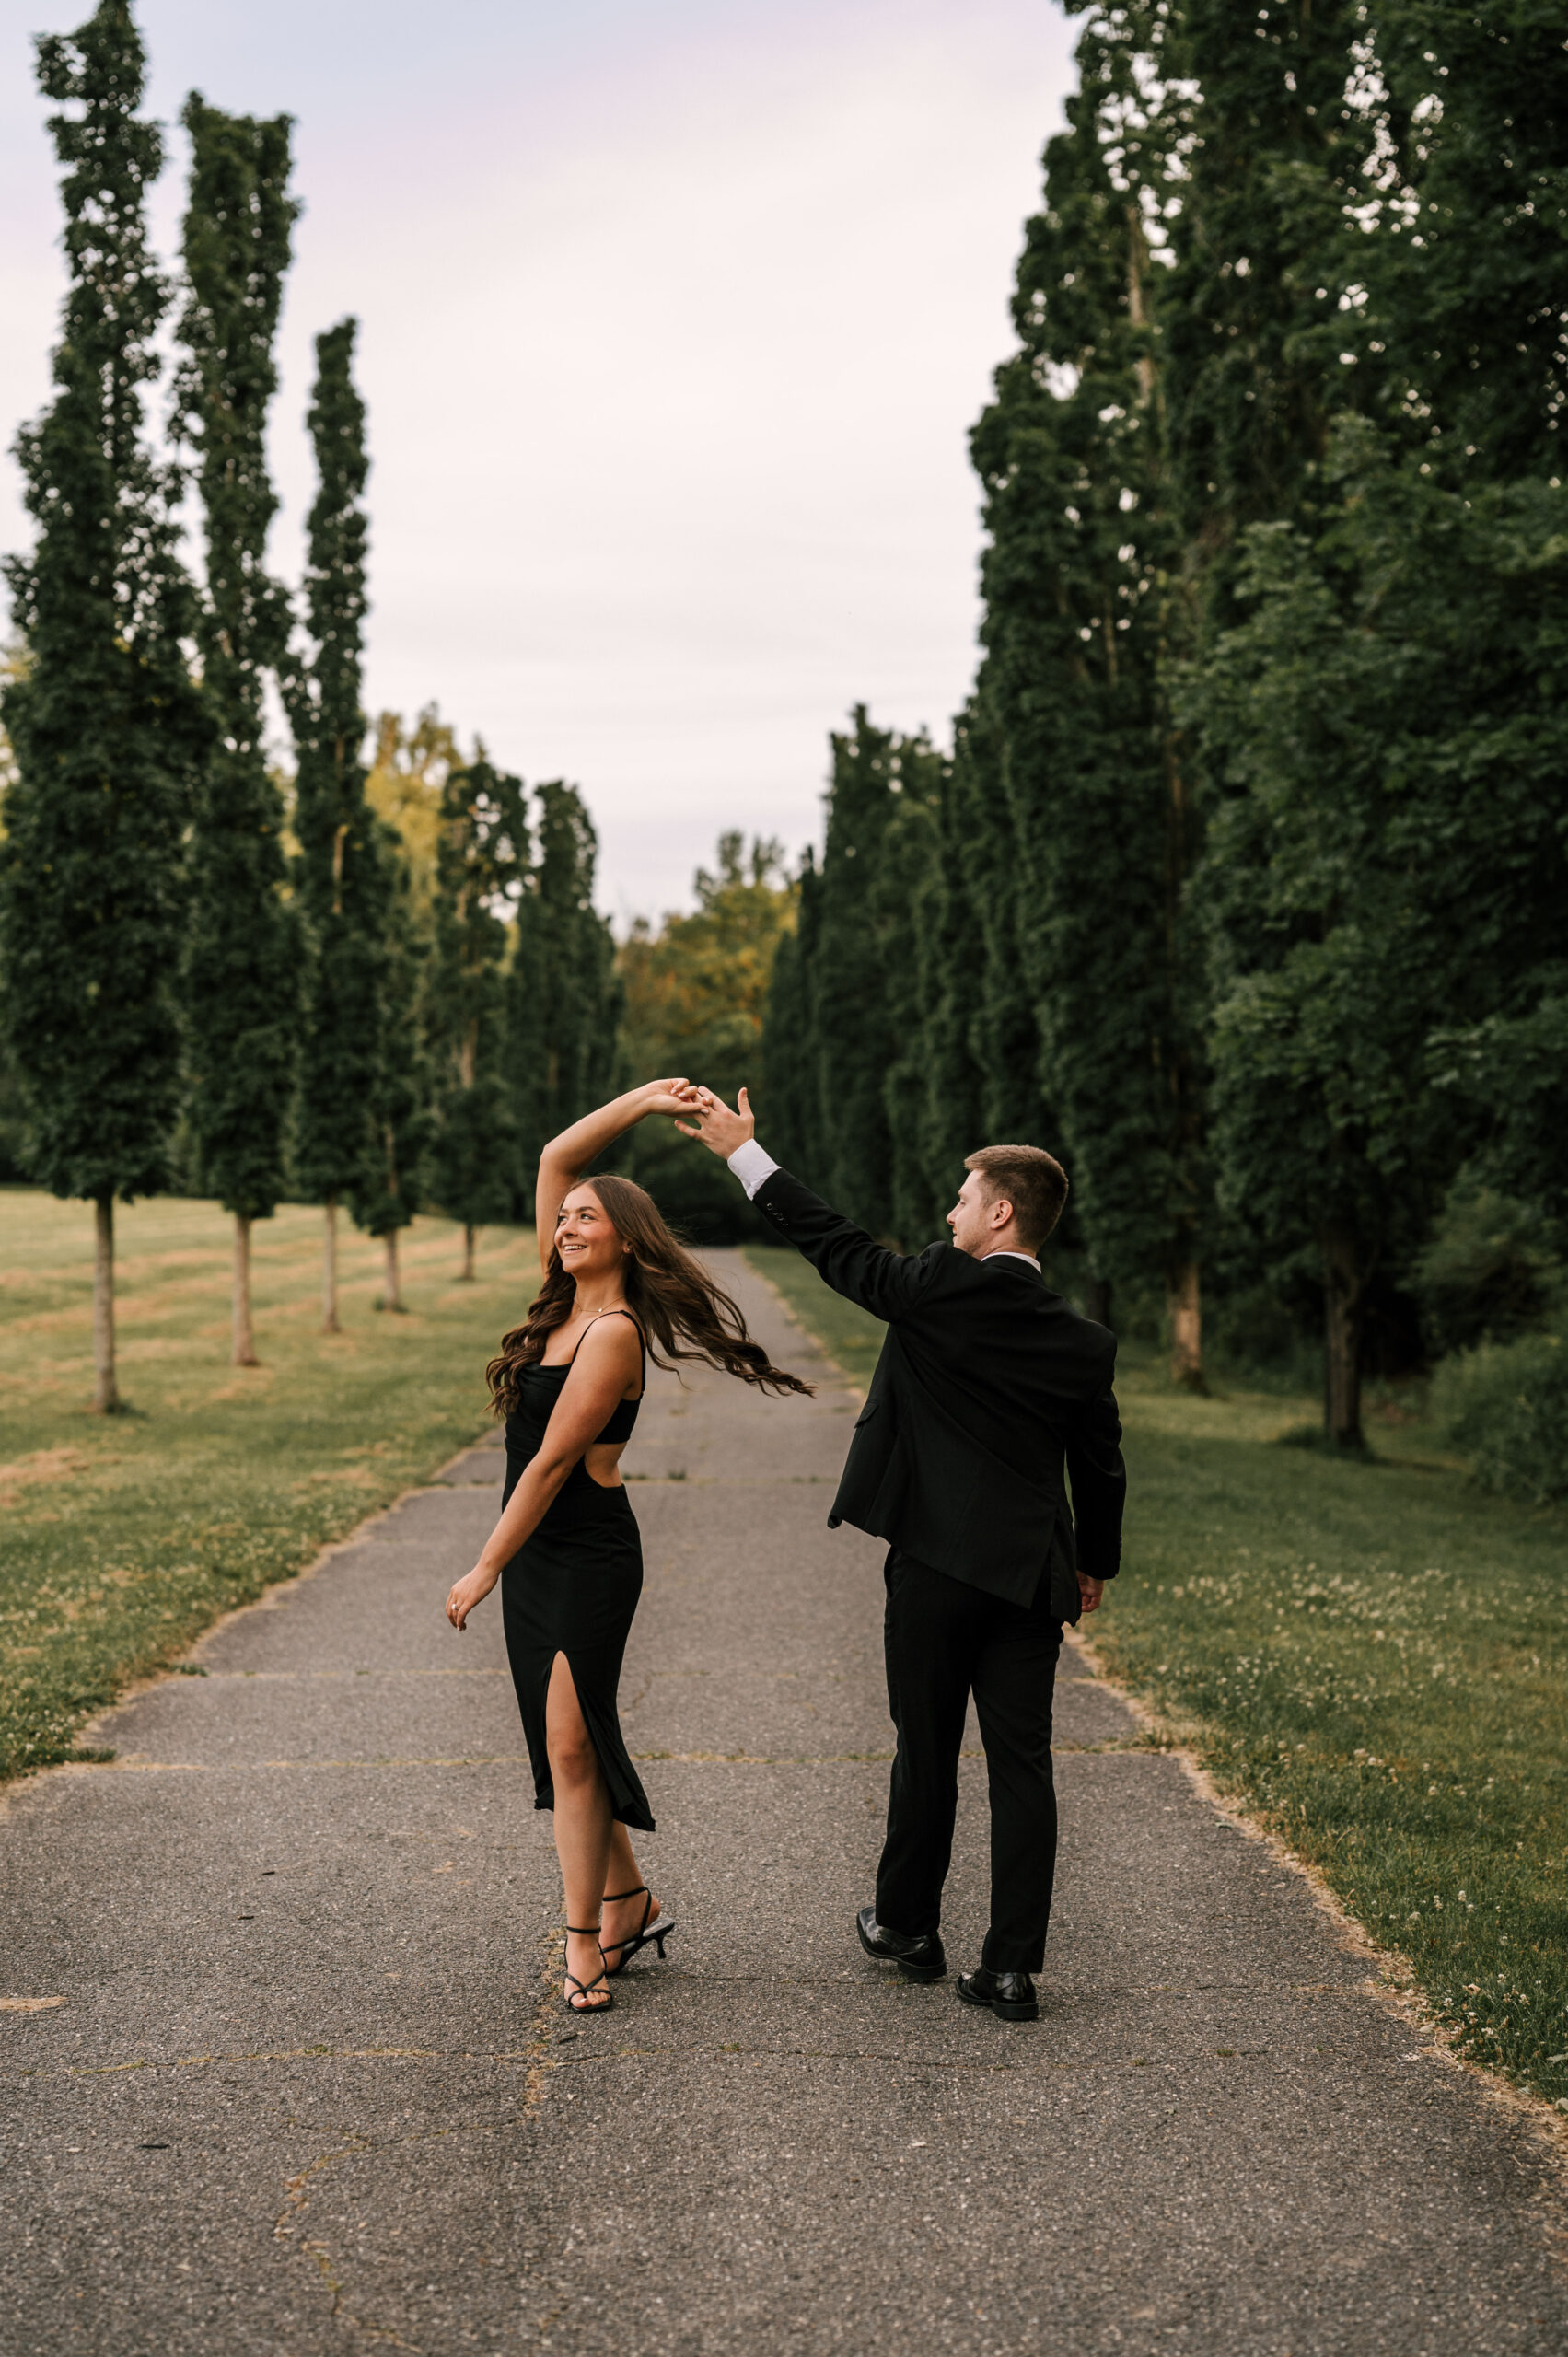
{"x":285,"y":2068}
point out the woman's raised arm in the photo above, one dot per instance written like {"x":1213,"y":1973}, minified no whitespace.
{"x":565,"y":1158}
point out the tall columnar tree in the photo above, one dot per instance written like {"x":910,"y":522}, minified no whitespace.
{"x":563,"y":998}
{"x":241,"y":962}
{"x":341,"y":890}
{"x":482,"y":860}
{"x":952,"y":984}
{"x":1465,"y":291}
{"x":905,"y":916}
{"x":1398,"y":856}
{"x":1259,"y":366}
{"x":872,"y":1083}
{"x":1439,"y":281}
{"x":403,"y":1115}
{"x":855,"y":1043}
{"x":108,"y":733}
{"x":1081,"y":595}
{"x":1388,"y":856}
{"x":1274,"y":149}
{"x":789,"y":1101}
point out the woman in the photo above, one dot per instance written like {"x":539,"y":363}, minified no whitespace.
{"x":568,"y":1382}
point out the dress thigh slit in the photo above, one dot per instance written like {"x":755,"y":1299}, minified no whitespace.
{"x":573,"y":1589}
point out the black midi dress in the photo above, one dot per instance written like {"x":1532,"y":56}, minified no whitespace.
{"x":573,"y":1589}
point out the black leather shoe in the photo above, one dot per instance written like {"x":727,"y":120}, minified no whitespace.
{"x":1010,"y":1995}
{"x":918,"y":1954}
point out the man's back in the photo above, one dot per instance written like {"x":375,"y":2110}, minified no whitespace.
{"x":989,"y":1387}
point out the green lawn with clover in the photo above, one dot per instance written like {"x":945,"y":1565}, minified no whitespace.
{"x":125,"y":1536}
{"x":1371,"y":1657}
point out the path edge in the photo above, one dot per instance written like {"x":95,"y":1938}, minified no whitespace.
{"x":1390,"y":1979}
{"x":13,"y":1787}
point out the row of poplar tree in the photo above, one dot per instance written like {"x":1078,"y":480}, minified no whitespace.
{"x":1244,"y":883}
{"x":210,"y":974}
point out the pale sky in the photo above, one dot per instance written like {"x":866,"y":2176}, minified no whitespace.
{"x":674,"y":320}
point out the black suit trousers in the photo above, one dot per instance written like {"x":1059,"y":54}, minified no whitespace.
{"x":944,"y":1639}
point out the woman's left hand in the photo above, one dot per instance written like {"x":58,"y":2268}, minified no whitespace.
{"x":467,"y":1593}
{"x":667,"y":1096}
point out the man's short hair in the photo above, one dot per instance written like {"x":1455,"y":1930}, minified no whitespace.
{"x":1031,"y":1181}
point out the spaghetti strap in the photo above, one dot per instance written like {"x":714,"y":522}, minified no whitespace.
{"x":642,"y":1338}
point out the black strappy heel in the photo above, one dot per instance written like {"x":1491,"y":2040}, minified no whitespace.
{"x":587,"y":1988}
{"x":645,"y":1935}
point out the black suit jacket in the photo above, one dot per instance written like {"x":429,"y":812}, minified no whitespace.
{"x":990,"y":1394}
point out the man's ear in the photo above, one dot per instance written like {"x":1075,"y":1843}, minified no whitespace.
{"x":1001,"y":1211}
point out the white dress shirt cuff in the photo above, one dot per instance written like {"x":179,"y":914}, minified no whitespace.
{"x":751,"y":1166}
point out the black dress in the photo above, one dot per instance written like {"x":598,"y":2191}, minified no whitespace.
{"x":573,"y":1589}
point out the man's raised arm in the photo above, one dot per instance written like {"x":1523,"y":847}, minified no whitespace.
{"x":885,"y":1283}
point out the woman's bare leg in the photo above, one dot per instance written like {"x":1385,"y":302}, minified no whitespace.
{"x":622,"y":1920}
{"x":583,"y":1824}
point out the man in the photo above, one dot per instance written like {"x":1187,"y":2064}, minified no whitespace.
{"x":988,"y":1389}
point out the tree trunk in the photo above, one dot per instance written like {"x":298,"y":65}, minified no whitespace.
{"x":244,"y":1340}
{"x":1096,"y":1299}
{"x":1344,"y":1291}
{"x":392,"y":1291}
{"x":329,"y":1269}
{"x":106,"y":1391}
{"x":465,"y":1274}
{"x":1184,"y":1306}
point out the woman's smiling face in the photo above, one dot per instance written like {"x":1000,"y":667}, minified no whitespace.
{"x":585,"y":1240}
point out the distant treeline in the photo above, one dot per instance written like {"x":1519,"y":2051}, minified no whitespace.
{"x":1244,"y":885}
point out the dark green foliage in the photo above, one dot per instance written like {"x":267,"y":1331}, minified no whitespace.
{"x":873,"y":1058}
{"x":1244,"y":886}
{"x":107,"y":728}
{"x":1273,"y":151}
{"x":565,"y":1000}
{"x":788,"y":1104}
{"x":339,"y":888}
{"x":1507,"y":1073}
{"x":906,"y":916}
{"x":1387,"y":842}
{"x":1472,"y":233}
{"x":854,"y":1037}
{"x":403,"y":1115}
{"x":1506,"y":1406}
{"x":1392,"y":842}
{"x":1488,"y":1273}
{"x":241,"y":960}
{"x":1083,"y":600}
{"x":951,"y":982}
{"x":480,"y":863}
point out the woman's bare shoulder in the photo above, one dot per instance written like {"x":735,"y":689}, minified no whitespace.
{"x":612,"y":1332}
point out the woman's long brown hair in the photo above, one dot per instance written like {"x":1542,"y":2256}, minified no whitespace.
{"x":680,"y":1310}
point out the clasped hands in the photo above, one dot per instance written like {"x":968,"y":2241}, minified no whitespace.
{"x":713,"y":1122}
{"x":709,"y":1119}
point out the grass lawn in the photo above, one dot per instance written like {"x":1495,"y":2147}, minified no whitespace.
{"x":1371,"y":1657}
{"x":123,"y":1536}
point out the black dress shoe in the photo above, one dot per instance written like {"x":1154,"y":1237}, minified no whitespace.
{"x":1010,"y":1995}
{"x":918,"y":1954}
